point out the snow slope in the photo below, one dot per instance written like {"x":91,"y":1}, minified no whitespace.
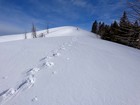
{"x":75,"y":68}
{"x":52,"y":33}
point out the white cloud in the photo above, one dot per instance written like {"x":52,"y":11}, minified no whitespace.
{"x":57,"y":12}
{"x":85,"y":4}
{"x":14,"y":20}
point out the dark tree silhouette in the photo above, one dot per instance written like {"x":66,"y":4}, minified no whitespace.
{"x":124,"y":31}
{"x":135,"y":14}
{"x":94,"y":27}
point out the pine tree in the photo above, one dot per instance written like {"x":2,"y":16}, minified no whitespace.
{"x":106,"y":33}
{"x":135,"y":14}
{"x":125,"y":30}
{"x":114,"y":31}
{"x":124,"y":20}
{"x":101,"y":30}
{"x":136,"y":32}
{"x":94,"y":27}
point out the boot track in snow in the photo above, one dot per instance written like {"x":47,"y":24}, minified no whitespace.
{"x":30,"y":77}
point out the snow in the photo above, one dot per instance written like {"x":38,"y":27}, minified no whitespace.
{"x":35,"y":99}
{"x":60,"y":32}
{"x":68,"y":67}
{"x":49,"y":64}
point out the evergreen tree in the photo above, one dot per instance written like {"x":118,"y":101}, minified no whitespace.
{"x":124,"y":20}
{"x":136,"y":31}
{"x":136,"y":23}
{"x":94,"y":27}
{"x":101,"y":29}
{"x":125,"y":30}
{"x":135,"y":14}
{"x":114,"y":31}
{"x":106,"y":33}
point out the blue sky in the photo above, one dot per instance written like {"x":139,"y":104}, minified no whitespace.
{"x":17,"y":16}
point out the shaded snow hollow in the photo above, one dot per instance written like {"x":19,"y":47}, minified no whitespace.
{"x":68,"y":67}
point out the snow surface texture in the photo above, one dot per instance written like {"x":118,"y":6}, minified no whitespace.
{"x":75,"y":68}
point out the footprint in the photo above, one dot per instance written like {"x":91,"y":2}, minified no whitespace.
{"x":43,"y":58}
{"x":48,"y":57}
{"x":56,"y":54}
{"x":33,"y":71}
{"x":49,"y":64}
{"x":35,"y":99}
{"x":28,"y":83}
{"x":6,"y":95}
{"x":31,"y":79}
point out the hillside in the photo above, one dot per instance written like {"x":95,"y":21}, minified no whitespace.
{"x":67,"y":67}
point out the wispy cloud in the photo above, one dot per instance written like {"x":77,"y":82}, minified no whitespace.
{"x":81,"y":3}
{"x":21,"y":14}
{"x":14,"y":20}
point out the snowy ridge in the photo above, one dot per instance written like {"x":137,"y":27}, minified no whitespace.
{"x":30,"y":78}
{"x":61,"y":31}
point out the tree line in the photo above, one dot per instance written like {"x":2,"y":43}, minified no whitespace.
{"x":123,"y":32}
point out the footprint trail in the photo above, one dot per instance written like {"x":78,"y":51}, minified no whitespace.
{"x":30,"y":77}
